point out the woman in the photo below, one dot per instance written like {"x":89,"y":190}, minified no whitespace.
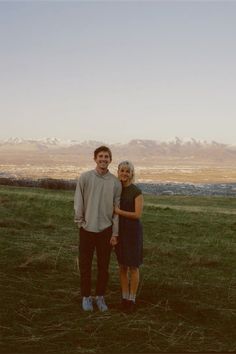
{"x":130,"y":245}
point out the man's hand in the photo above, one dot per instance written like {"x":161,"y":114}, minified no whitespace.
{"x":113,"y":240}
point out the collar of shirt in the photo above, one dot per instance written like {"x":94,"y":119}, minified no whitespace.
{"x":106,"y":175}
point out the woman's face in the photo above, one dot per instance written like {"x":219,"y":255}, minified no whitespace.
{"x":124,"y":174}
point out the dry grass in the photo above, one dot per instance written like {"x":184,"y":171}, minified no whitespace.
{"x":186,"y":298}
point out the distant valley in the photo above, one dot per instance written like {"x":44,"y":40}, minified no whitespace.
{"x":180,"y":161}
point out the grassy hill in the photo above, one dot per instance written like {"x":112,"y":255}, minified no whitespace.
{"x":187,"y":294}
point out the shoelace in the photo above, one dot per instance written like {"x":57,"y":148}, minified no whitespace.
{"x":89,"y":301}
{"x":101,"y":300}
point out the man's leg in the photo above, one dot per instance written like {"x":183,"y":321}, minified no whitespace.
{"x":103,"y":250}
{"x":86,"y":250}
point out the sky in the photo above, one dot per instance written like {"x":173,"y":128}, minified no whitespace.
{"x":114,"y":71}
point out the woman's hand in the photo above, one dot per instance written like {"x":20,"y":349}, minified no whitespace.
{"x":117,"y":210}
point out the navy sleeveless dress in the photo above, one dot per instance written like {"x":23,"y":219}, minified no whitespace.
{"x":129,"y":250}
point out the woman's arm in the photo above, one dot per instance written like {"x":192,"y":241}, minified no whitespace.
{"x":132,"y":214}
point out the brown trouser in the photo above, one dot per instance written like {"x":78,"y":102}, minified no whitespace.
{"x":88,"y":242}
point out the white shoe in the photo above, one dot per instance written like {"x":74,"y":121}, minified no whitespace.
{"x":100,"y":301}
{"x":87,"y":303}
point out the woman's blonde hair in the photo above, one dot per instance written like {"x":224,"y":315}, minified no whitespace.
{"x":130,"y":166}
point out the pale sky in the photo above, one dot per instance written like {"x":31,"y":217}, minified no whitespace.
{"x":118,"y":70}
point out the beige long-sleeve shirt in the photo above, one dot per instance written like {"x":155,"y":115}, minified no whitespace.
{"x":94,"y":201}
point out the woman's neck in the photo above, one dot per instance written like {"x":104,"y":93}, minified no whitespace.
{"x":126,"y":184}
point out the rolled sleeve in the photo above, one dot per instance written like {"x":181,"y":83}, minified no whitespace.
{"x":79,"y":203}
{"x":115,"y":219}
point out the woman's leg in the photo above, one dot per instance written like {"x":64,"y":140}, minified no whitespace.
{"x":124,"y":281}
{"x":134,"y":282}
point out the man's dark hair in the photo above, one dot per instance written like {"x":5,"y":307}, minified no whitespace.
{"x":102,"y":148}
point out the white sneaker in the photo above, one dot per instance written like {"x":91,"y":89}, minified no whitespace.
{"x":100,"y":301}
{"x":87,"y":303}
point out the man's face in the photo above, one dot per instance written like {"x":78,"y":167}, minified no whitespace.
{"x":103,"y":160}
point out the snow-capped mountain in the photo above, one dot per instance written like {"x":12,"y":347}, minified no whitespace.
{"x":43,"y":141}
{"x":137,"y":149}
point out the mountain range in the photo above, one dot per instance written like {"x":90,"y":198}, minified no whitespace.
{"x":141,"y":151}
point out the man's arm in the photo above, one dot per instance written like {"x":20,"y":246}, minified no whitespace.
{"x":115,"y":219}
{"x":79,"y":203}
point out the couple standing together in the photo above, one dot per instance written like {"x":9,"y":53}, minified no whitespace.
{"x":107,"y":211}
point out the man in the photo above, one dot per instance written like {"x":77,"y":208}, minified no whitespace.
{"x":97,"y":192}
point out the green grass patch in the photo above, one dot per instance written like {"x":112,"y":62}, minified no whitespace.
{"x":187,"y":293}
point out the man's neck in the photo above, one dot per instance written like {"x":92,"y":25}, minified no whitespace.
{"x":101,"y":171}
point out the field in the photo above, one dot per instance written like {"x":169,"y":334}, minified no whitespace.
{"x":187,"y":294}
